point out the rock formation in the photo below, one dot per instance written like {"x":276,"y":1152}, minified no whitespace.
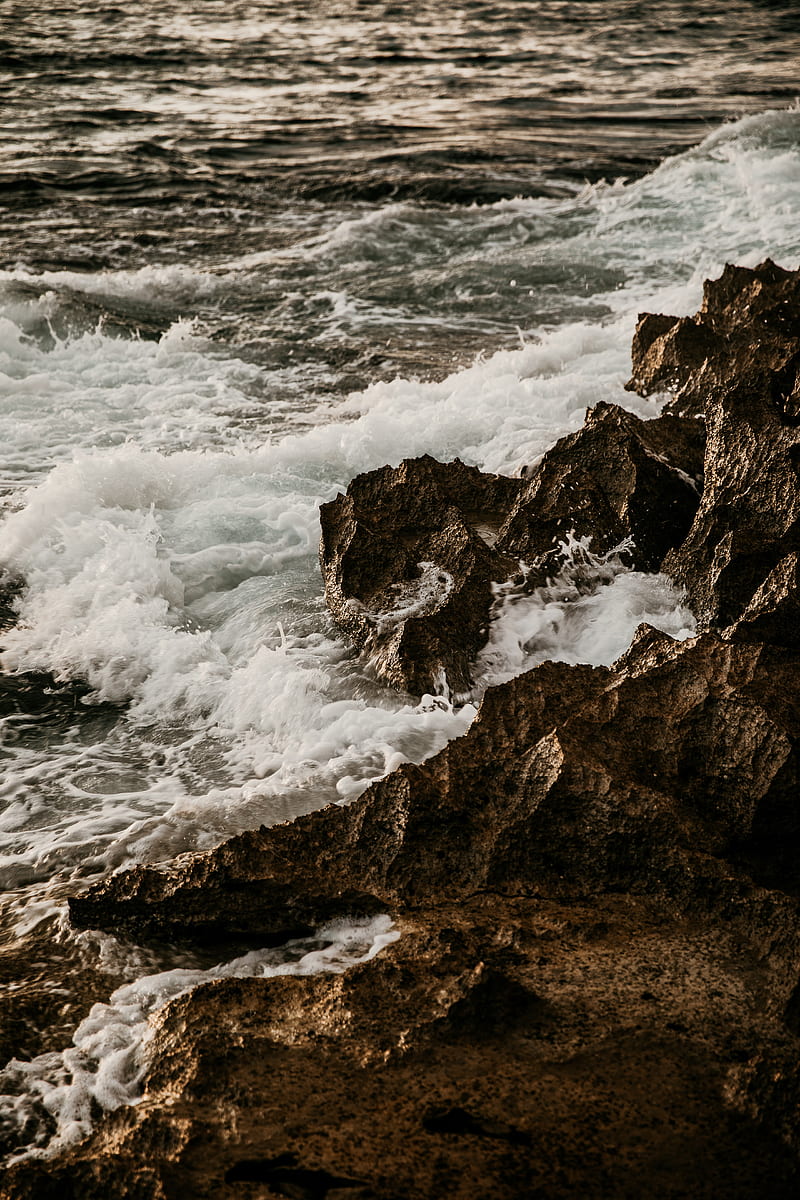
{"x":408,"y":564}
{"x":571,"y":781}
{"x":409,"y":554}
{"x":739,"y":358}
{"x":596,"y":990}
{"x":618,"y":480}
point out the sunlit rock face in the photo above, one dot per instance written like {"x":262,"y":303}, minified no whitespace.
{"x":595,"y":890}
{"x":618,"y":480}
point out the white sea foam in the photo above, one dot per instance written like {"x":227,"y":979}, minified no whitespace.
{"x":51,"y":1101}
{"x":588,"y":613}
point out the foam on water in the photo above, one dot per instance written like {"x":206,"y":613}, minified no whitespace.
{"x":588,"y":613}
{"x":51,"y":1101}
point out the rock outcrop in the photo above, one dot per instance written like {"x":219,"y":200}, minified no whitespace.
{"x":596,"y":991}
{"x":571,"y":781}
{"x":408,"y":562}
{"x":740,"y":359}
{"x":747,"y":325}
{"x":618,"y":480}
{"x":597,"y":887}
{"x":503,"y":1047}
{"x":409,"y":555}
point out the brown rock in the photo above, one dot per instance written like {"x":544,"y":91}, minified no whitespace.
{"x":409,"y":554}
{"x":646,"y":812}
{"x":571,"y":781}
{"x":502,"y":1047}
{"x":739,"y":560}
{"x":408,"y":565}
{"x":618,"y":479}
{"x":668,"y":353}
{"x":748,"y":322}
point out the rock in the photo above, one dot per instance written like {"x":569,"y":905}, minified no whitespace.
{"x":408,"y":563}
{"x":739,"y":560}
{"x":617,"y":480}
{"x":571,"y":781}
{"x":668,"y":355}
{"x":502,"y":1046}
{"x":409,"y":554}
{"x":748,"y":322}
{"x":648,"y":811}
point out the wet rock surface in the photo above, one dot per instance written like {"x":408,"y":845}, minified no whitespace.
{"x":739,"y":560}
{"x":571,"y":781}
{"x":502,"y":1047}
{"x":596,"y":988}
{"x":617,"y":480}
{"x":408,"y":562}
{"x":410,"y":554}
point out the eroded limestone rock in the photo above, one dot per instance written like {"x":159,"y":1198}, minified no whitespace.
{"x":503,"y":1046}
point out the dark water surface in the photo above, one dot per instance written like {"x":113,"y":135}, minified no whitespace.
{"x":126,"y":126}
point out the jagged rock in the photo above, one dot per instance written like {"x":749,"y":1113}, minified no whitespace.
{"x":739,"y":560}
{"x":668,"y":355}
{"x":618,"y":479}
{"x":408,"y":562}
{"x":572,"y":780}
{"x":749,"y":322}
{"x":597,"y":838}
{"x":409,"y":554}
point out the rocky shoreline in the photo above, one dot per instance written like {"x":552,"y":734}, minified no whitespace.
{"x":596,"y":991}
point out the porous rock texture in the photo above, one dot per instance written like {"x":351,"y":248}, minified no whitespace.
{"x":617,"y":481}
{"x":408,"y":563}
{"x":596,"y":990}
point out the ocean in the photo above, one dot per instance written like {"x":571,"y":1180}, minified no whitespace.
{"x":250,"y":250}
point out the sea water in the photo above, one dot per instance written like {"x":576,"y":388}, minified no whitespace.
{"x":254,"y":250}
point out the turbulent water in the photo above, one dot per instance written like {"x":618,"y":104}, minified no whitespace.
{"x":250,"y":250}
